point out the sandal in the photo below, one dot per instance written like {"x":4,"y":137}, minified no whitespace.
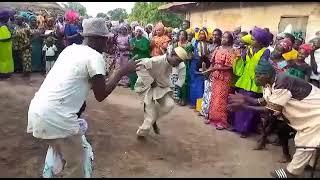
{"x":281,"y":173}
{"x":219,"y":127}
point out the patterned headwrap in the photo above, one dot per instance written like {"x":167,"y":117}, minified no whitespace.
{"x":265,"y":67}
{"x":298,"y":36}
{"x":159,"y":26}
{"x":262,"y":36}
{"x":286,"y":44}
{"x":307,"y":47}
{"x":71,"y":16}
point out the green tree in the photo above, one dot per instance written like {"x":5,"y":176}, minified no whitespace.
{"x":145,"y":12}
{"x":76,"y":6}
{"x":118,"y":14}
{"x":102,"y":15}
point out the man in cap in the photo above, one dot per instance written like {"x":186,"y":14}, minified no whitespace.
{"x":53,"y":111}
{"x":298,"y":101}
{"x":153,"y":85}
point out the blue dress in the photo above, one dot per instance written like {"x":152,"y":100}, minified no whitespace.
{"x":196,"y":87}
{"x":72,"y":29}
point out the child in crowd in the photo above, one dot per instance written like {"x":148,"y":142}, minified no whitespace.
{"x":50,"y":50}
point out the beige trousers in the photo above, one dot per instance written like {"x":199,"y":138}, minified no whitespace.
{"x":300,"y":159}
{"x":152,"y":112}
{"x":72,"y":152}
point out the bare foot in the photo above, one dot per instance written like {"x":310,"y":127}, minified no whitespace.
{"x":207,"y":121}
{"x":285,"y":159}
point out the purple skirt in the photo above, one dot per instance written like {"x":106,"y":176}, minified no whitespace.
{"x":246,"y":121}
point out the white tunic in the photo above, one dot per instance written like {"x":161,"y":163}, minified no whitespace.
{"x":52,"y":111}
{"x":304,"y":114}
{"x":155,"y":69}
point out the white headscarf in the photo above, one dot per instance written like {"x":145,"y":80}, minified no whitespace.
{"x":144,"y":33}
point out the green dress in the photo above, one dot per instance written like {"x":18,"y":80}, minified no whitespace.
{"x":184,"y":93}
{"x":6,"y":60}
{"x":141,"y":47}
{"x":36,"y":55}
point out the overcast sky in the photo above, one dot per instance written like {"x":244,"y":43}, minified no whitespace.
{"x":93,"y":8}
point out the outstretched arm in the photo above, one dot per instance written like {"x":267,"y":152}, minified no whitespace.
{"x":102,"y":89}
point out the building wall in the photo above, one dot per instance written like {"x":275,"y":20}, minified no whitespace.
{"x":248,"y":15}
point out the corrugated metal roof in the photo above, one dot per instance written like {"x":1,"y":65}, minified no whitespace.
{"x":51,"y":5}
{"x":174,"y":4}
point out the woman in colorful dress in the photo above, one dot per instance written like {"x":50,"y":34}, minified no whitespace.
{"x":221,"y":74}
{"x":72,"y":30}
{"x":6,"y":60}
{"x":201,"y":52}
{"x":216,"y":38}
{"x":123,"y":51}
{"x":246,"y":121}
{"x":160,"y":41}
{"x":22,"y":45}
{"x":140,"y":46}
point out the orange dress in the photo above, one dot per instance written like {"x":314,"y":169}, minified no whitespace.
{"x":159,"y":45}
{"x":222,"y":81}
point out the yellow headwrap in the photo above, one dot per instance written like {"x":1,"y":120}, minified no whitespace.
{"x":247,"y":39}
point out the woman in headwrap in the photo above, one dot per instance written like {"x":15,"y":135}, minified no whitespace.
{"x":149,"y":29}
{"x":36,"y":45}
{"x":140,"y":46}
{"x":123,"y":51}
{"x":216,"y":38}
{"x":276,"y":59}
{"x":221,"y":74}
{"x":246,"y":121}
{"x":159,"y":42}
{"x":59,"y":33}
{"x":314,"y":61}
{"x":6,"y":60}
{"x":200,"y":55}
{"x":168,"y":32}
{"x":298,"y":40}
{"x":22,"y":45}
{"x":72,"y":30}
{"x":299,"y":68}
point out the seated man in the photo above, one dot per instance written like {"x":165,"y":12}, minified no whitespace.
{"x":298,"y":101}
{"x":153,"y":85}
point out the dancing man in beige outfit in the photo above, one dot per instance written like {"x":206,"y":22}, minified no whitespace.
{"x":153,"y":86}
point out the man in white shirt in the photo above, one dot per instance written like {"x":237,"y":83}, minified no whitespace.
{"x":53,"y":111}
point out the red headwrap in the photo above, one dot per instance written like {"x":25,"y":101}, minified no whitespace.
{"x":71,"y":16}
{"x":307,"y":47}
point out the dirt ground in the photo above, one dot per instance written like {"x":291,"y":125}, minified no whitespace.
{"x":186,"y":147}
